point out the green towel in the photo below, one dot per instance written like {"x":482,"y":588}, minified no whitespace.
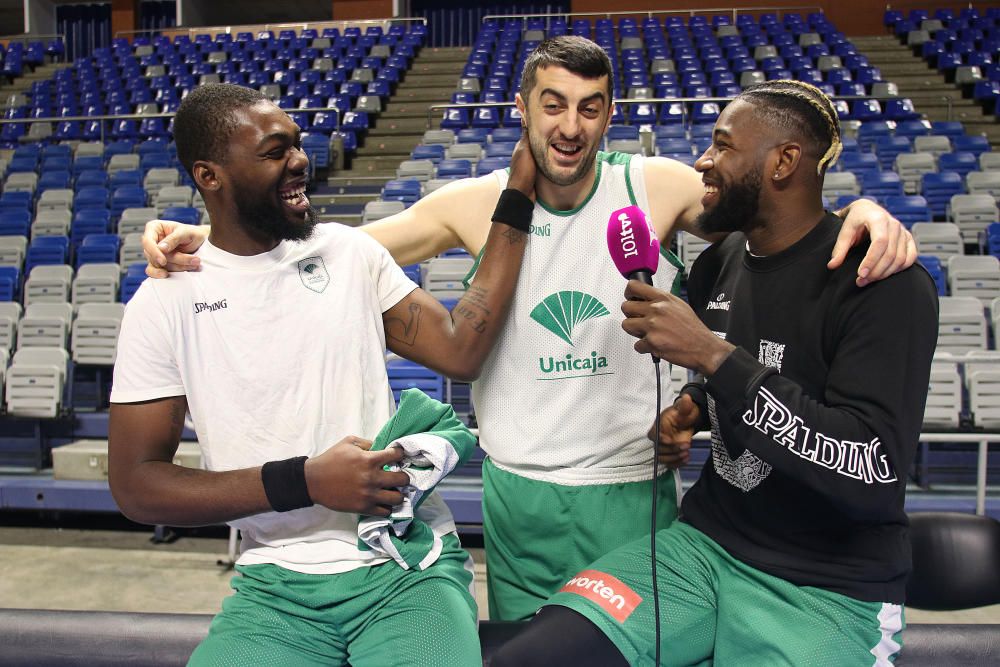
{"x":440,"y":444}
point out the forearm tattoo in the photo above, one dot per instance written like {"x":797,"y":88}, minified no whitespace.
{"x":472,"y":309}
{"x":404,"y":332}
{"x":514,"y":236}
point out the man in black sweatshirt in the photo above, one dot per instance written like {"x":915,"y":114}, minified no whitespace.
{"x":792,"y":546}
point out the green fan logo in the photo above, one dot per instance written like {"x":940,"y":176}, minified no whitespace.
{"x":313,"y":273}
{"x":562,"y":311}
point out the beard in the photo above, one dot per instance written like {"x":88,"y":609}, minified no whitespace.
{"x":737,"y":208}
{"x":261,"y":217}
{"x":540,"y":151}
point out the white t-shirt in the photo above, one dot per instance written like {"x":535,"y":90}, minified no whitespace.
{"x":279,"y":355}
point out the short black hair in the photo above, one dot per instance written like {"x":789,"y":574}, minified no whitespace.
{"x":803,"y":108}
{"x":205,"y":121}
{"x":574,"y":54}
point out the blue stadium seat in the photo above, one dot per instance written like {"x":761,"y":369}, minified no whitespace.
{"x":15,"y":222}
{"x":91,"y":197}
{"x":881,"y":184}
{"x":434,"y":153}
{"x":87,"y":163}
{"x":933,"y":265}
{"x":993,"y":239}
{"x":473,"y":135}
{"x":455,"y":119}
{"x":405,"y":374}
{"x":673,"y":146}
{"x":869,"y":132}
{"x":859,"y":163}
{"x":46,"y":250}
{"x":184,"y":214}
{"x":89,"y":221}
{"x":490,"y":164}
{"x":887,"y":148}
{"x":91,"y":178}
{"x":125,"y":177}
{"x":864,"y":110}
{"x":51,"y":180}
{"x":959,"y":162}
{"x":913,"y":128}
{"x":126,"y":196}
{"x":102,"y":248}
{"x":949,"y":128}
{"x":355,"y":121}
{"x":134,"y":276}
{"x":10,"y":283}
{"x":14,"y":200}
{"x":900,"y":109}
{"x":511,"y":117}
{"x":500,"y":149}
{"x":454,"y":169}
{"x":975,"y":144}
{"x":938,"y":189}
{"x":404,"y":190}
{"x":908,"y":209}
{"x":324,"y":122}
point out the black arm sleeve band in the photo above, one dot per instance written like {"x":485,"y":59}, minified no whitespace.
{"x":514,"y":209}
{"x":285,"y":484}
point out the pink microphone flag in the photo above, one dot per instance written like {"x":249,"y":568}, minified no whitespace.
{"x":632,"y":241}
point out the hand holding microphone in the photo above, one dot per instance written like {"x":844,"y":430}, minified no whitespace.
{"x":666,"y":326}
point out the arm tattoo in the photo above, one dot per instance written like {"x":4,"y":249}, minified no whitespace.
{"x":472,"y":309}
{"x":514,"y":236}
{"x":476,"y":296}
{"x":404,"y":332}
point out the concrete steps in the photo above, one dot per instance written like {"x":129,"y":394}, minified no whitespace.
{"x":22,"y":84}
{"x":932,"y":95}
{"x":430,"y":80}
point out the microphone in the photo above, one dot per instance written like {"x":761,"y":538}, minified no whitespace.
{"x":633,"y":244}
{"x":635,"y":250}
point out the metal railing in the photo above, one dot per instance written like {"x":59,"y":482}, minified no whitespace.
{"x":275,"y":27}
{"x":55,"y":120}
{"x":31,"y":37}
{"x":627,"y":101}
{"x":734,"y":11}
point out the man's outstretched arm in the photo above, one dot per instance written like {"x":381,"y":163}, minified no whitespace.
{"x":456,"y":343}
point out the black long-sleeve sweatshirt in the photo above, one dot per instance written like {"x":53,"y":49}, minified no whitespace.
{"x":808,"y":469}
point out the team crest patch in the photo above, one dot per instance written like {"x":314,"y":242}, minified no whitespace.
{"x":607,"y":592}
{"x":313,"y":273}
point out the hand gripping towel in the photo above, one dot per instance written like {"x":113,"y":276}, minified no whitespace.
{"x":435,"y":443}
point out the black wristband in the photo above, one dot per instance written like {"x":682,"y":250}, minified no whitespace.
{"x":285,"y":484}
{"x":514,"y":209}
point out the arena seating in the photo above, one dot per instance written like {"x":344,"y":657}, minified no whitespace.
{"x":75,"y":201}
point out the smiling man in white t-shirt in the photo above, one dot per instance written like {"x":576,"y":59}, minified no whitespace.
{"x":277,"y":350}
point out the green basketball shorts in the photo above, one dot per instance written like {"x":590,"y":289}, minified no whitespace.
{"x":538,"y":534}
{"x":370,"y":617}
{"x":715,"y":609}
